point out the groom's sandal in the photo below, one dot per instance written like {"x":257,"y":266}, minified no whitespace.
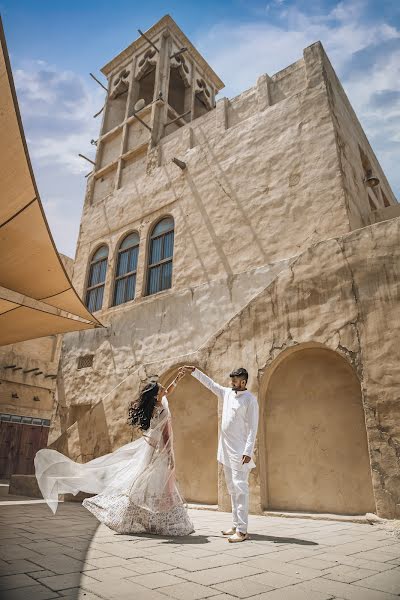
{"x":238,"y":537}
{"x":230,"y":531}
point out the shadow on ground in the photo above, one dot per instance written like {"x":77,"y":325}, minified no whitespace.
{"x":43,"y":555}
{"x":39,"y":549}
{"x":205,"y":539}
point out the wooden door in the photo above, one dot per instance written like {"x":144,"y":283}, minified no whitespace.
{"x":18,"y":445}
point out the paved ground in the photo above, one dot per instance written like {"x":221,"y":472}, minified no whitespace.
{"x":71,"y":556}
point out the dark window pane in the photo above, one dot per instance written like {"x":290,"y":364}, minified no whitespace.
{"x":94,"y":274}
{"x":92,"y":300}
{"x":103,"y":269}
{"x":98,"y":273}
{"x":95,"y":299}
{"x":122,"y":263}
{"x":119,"y":292}
{"x":133,"y":258}
{"x":91,"y":296}
{"x":154,"y":277}
{"x":166,"y":278}
{"x":99,"y":297}
{"x":168,"y":245}
{"x":155,"y":252}
{"x":130,"y":288}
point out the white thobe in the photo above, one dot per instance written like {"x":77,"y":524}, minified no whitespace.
{"x":238,"y":434}
{"x":238,"y":426}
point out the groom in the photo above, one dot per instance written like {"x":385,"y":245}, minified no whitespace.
{"x":236,"y":443}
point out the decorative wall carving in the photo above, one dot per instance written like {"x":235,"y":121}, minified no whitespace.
{"x":147,"y":62}
{"x":202,"y":91}
{"x":121,"y":84}
{"x":179,"y":62}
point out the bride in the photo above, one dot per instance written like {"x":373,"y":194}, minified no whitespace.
{"x":135,"y":485}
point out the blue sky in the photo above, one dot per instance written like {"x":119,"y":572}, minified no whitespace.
{"x":54,"y":44}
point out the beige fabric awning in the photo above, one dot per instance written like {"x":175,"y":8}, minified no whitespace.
{"x":29,"y":262}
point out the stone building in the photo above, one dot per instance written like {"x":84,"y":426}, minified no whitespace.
{"x":258,"y":231}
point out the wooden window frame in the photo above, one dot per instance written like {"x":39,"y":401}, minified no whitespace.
{"x":164,"y":261}
{"x":125,"y":275}
{"x":90,"y":288}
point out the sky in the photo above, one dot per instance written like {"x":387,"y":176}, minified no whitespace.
{"x":53,"y":45}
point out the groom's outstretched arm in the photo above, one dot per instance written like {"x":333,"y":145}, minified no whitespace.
{"x":214,"y":387}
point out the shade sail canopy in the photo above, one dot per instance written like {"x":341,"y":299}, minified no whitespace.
{"x":30,"y":265}
{"x":15,"y":324}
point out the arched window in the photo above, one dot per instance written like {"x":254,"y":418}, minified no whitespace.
{"x":97,"y":277}
{"x":125,"y":275}
{"x":160,"y":256}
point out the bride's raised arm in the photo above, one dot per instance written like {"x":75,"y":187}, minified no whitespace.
{"x":174,"y":383}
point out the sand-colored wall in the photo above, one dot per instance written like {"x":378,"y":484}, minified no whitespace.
{"x":34,"y":361}
{"x":343,"y":294}
{"x":35,"y":391}
{"x":315,"y":438}
{"x":32,"y":401}
{"x":194,"y":411}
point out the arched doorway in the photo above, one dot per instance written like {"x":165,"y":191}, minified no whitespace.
{"x":194,"y":412}
{"x":316,"y":453}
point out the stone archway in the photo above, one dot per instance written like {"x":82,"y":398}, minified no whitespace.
{"x":194,"y":412}
{"x":316,"y":453}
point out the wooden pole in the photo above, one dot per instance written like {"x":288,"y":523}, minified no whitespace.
{"x":88,"y":159}
{"x":99,"y":82}
{"x":149,"y":41}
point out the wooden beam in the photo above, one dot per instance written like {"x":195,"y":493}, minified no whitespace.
{"x":88,"y":159}
{"x":149,"y":41}
{"x":99,"y":82}
{"x":179,"y":163}
{"x":178,"y":117}
{"x":141,"y":121}
{"x":181,"y":51}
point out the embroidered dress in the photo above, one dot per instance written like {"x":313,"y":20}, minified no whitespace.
{"x":135,"y":486}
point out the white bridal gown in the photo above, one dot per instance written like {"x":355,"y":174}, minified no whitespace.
{"x":135,"y":485}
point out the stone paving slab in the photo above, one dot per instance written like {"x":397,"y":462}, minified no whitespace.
{"x":243,"y":588}
{"x":36,"y":592}
{"x":72,"y":556}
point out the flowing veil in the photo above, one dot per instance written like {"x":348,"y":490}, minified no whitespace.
{"x":135,"y":485}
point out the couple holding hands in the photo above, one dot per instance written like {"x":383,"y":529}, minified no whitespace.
{"x":135,"y":486}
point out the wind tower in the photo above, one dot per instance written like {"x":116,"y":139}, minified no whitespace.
{"x":155,"y":86}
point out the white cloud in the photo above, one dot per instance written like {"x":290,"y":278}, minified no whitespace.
{"x":239,"y":53}
{"x":57,"y":110}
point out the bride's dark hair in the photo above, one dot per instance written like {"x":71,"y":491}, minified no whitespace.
{"x":141,"y":411}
